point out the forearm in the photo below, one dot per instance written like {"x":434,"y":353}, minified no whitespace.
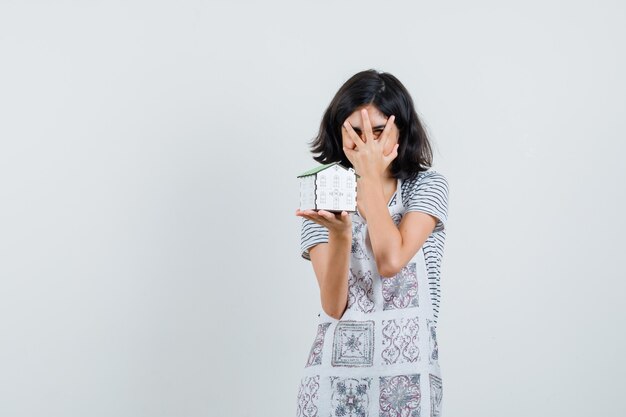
{"x":334,"y":291}
{"x":384,"y":235}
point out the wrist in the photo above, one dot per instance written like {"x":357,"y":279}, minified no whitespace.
{"x":340,"y":235}
{"x":369,"y":179}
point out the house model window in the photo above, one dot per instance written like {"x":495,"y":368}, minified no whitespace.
{"x":330,"y":187}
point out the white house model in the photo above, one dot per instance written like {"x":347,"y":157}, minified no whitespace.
{"x":330,"y":187}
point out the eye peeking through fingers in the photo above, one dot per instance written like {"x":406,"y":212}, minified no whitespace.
{"x":376,"y":131}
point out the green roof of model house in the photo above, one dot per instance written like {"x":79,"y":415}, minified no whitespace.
{"x":321,"y":168}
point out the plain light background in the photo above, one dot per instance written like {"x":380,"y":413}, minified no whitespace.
{"x":149,"y":248}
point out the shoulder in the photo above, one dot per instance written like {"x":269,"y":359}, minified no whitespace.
{"x":430,"y":179}
{"x":427,"y":191}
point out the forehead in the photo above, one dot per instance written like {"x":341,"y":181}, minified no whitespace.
{"x":375,"y":116}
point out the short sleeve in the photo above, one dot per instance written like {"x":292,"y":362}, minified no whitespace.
{"x":311,"y":234}
{"x":428,"y":193}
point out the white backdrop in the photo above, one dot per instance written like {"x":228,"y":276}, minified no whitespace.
{"x":149,"y":248}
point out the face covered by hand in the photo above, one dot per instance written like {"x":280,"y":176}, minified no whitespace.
{"x":370,"y":141}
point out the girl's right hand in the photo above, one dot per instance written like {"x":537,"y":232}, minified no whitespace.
{"x":336,"y":223}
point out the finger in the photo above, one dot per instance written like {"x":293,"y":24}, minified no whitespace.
{"x":395,"y":151}
{"x":352,"y":134}
{"x":387,"y":130}
{"x":346,"y":138}
{"x":351,"y":155}
{"x":318,"y":218}
{"x":310,"y":214}
{"x":329,"y":216}
{"x":326,"y":214}
{"x":367,"y":126}
{"x":392,"y":155}
{"x":306,"y":213}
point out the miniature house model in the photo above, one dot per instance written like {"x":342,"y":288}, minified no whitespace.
{"x":330,"y":187}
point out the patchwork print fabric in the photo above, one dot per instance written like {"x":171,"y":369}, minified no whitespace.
{"x":353,"y":343}
{"x":400,"y":291}
{"x":315,"y":355}
{"x":349,"y":396}
{"x":400,"y":340}
{"x":361,"y":290}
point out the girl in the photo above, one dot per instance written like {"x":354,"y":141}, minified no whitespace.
{"x":375,"y":351}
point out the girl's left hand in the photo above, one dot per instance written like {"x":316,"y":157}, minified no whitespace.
{"x":368,"y":158}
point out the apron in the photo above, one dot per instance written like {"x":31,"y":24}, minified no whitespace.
{"x":380,"y":358}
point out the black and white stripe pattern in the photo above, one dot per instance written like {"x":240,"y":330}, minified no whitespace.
{"x":311,"y":234}
{"x":427,"y":192}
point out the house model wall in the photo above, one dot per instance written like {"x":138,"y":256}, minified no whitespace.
{"x":330,"y":187}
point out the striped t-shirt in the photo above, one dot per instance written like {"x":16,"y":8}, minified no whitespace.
{"x":426,"y":191}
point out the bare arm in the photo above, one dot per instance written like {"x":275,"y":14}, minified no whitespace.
{"x":331,"y":262}
{"x":393,"y":246}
